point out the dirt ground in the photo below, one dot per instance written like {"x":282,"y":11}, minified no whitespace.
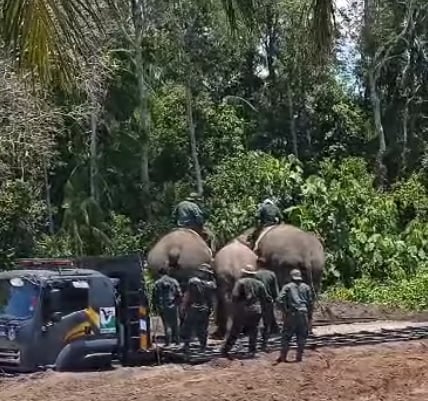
{"x":339,"y":310}
{"x":327,"y":312}
{"x":389,"y":373}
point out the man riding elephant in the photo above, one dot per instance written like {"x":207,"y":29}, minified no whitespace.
{"x":188,"y":214}
{"x":286,"y":247}
{"x":268,"y":214}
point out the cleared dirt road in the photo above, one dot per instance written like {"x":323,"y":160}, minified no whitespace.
{"x":397,"y":372}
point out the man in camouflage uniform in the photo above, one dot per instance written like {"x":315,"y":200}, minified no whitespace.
{"x":296,"y":302}
{"x":268,"y":214}
{"x":197,"y":308}
{"x":188,"y":214}
{"x":249,"y":300}
{"x":166,"y":300}
{"x":269,"y":280}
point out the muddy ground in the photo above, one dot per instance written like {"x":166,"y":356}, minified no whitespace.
{"x":396,"y":372}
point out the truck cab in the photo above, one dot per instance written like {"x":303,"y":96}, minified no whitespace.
{"x":69,"y":314}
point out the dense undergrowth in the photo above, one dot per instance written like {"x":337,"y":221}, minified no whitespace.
{"x":376,"y":241}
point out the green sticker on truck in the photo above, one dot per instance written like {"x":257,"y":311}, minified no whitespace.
{"x":107,"y":320}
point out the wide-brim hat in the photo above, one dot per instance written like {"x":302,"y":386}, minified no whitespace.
{"x":296,"y":275}
{"x":206,"y":268}
{"x":194,"y":196}
{"x":249,"y":269}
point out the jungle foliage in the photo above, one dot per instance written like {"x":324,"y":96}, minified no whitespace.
{"x":112,"y":117}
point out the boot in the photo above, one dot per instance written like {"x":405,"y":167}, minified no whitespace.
{"x":299,"y":355}
{"x":251,"y":351}
{"x":225,"y":352}
{"x":282,"y":356}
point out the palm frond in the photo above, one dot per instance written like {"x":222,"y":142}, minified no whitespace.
{"x":48,"y":36}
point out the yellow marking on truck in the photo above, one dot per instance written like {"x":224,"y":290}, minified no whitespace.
{"x":93,"y":316}
{"x":85,"y":328}
{"x":78,"y":331}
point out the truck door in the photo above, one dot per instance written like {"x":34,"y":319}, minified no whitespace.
{"x":66,"y":318}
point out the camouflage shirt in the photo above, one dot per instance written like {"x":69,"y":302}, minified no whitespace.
{"x":188,"y":214}
{"x":250,"y":293}
{"x":296,"y":297}
{"x":200,"y":294}
{"x":166,"y":293}
{"x":269,"y":214}
{"x":268,"y":278}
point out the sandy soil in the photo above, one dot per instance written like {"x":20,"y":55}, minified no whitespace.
{"x":389,"y":373}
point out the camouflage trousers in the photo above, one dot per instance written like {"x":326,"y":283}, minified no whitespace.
{"x":170,"y":323}
{"x":295,"y":323}
{"x":247,"y":320}
{"x":196,"y":322}
{"x":268,"y":319}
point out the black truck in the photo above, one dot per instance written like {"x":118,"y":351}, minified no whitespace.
{"x":75,"y":313}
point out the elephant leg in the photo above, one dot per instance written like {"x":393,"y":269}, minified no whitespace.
{"x":274,"y":327}
{"x":221,"y":317}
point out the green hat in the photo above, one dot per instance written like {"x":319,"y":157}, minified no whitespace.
{"x":296,"y":275}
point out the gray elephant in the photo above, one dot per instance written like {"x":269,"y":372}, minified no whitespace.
{"x":286,"y":247}
{"x":228,"y":263}
{"x":183,"y":250}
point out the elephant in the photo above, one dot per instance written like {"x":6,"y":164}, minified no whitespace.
{"x":286,"y":247}
{"x":228,"y":263}
{"x":181,"y":249}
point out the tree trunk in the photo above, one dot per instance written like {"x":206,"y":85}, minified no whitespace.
{"x":138,"y":15}
{"x":48,"y":199}
{"x":145,"y":127}
{"x":93,"y":173}
{"x":404,"y":138}
{"x":293,"y":131}
{"x":192,"y":135}
{"x":377,"y":113}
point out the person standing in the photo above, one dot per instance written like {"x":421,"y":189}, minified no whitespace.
{"x":270,"y":281}
{"x":166,"y":300}
{"x":296,"y":302}
{"x":249,"y":300}
{"x":197,"y":308}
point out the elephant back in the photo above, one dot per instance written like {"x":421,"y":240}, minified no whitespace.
{"x":182,"y":247}
{"x":230,"y":259}
{"x":286,"y":246}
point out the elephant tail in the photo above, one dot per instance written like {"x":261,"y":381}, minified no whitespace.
{"x":173,"y":256}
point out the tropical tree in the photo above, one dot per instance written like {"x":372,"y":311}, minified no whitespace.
{"x":46,"y":35}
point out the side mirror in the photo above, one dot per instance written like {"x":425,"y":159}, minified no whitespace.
{"x":56,"y":317}
{"x":55,"y":300}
